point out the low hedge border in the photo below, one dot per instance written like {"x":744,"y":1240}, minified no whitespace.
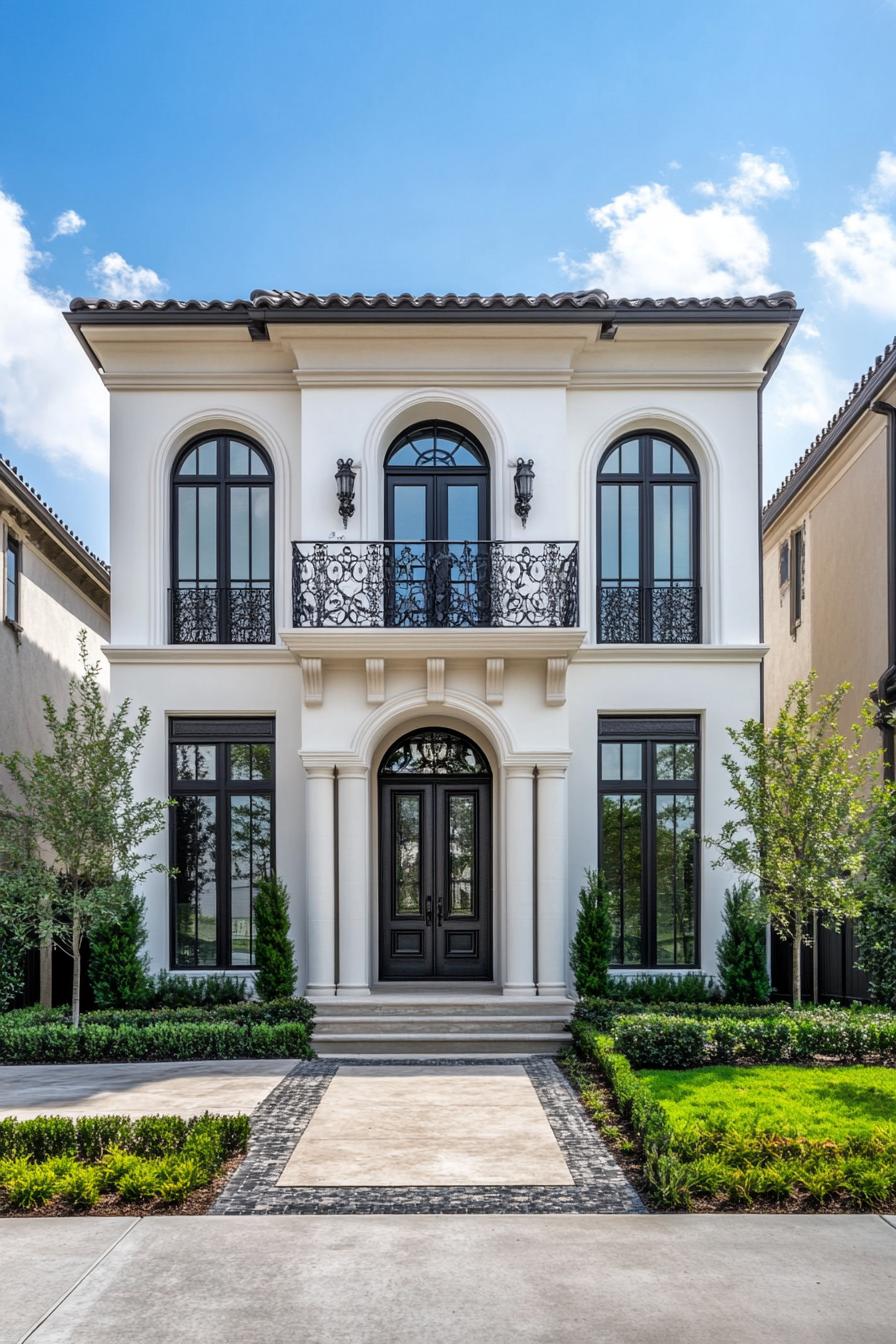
{"x":92,"y":1042}
{"x":158,"y":1157}
{"x":603,"y":1012}
{"x":248,"y":1013}
{"x":667,"y":1041}
{"x":735,"y":1167}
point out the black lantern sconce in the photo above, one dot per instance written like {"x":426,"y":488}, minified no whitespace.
{"x":523,"y":478}
{"x":345,"y":488}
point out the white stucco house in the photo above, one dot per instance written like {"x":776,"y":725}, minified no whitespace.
{"x":436,"y":602}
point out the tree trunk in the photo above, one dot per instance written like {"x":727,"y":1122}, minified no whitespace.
{"x":797,"y":957}
{"x":46,"y":973}
{"x":76,"y":970}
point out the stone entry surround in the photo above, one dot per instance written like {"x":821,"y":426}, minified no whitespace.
{"x":566,"y":1149}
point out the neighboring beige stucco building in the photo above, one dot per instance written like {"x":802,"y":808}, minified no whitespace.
{"x":829,"y":590}
{"x":53,"y":587}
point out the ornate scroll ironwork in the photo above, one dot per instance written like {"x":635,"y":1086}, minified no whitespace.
{"x":237,"y":615}
{"x":669,"y":614}
{"x":455,"y":584}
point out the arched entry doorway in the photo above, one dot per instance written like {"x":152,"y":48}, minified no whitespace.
{"x":435,"y":796}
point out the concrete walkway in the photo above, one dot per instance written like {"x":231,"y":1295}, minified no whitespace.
{"x":480,"y":1280}
{"x":177,"y":1088}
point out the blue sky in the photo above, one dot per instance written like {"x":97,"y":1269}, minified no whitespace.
{"x":205,"y":149}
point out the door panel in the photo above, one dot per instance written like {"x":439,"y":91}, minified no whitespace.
{"x":435,"y":880}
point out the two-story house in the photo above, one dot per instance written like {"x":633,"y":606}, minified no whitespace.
{"x":436,"y":602}
{"x":52,"y":588}
{"x":829,"y":542}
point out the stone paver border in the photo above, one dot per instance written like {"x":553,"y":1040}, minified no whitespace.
{"x":600,"y":1185}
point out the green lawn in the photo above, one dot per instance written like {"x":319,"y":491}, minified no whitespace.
{"x":836,"y":1103}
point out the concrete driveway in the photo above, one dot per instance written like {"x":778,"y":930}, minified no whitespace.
{"x":220,"y":1086}
{"x":483,"y":1279}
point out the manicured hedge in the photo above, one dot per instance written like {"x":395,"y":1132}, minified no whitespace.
{"x":602,"y":1013}
{"x":666,"y":1041}
{"x":736,"y":1165}
{"x":79,"y":1161}
{"x":246,"y":1013}
{"x":92,"y":1042}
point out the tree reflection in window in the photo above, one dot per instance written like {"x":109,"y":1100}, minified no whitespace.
{"x":434,"y":751}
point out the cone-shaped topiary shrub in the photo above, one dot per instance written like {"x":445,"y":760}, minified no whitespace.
{"x":592,"y":944}
{"x":118,"y":974}
{"x":740,"y":952}
{"x":276,"y":974}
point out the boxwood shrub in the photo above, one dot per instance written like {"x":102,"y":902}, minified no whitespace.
{"x":130,"y":1041}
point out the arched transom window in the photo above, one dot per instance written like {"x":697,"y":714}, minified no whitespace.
{"x":648,"y":542}
{"x":222,"y":543}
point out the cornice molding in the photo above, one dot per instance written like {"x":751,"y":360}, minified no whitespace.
{"x":715,"y":379}
{"x":408,"y":645}
{"x":403,"y":376}
{"x":215,"y":380}
{"x":671,"y":653}
{"x":202,"y":655}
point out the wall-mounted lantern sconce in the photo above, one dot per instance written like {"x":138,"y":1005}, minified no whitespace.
{"x":345,"y":488}
{"x":522,"y":488}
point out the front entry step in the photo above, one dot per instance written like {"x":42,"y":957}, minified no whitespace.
{"x":447,"y":1026}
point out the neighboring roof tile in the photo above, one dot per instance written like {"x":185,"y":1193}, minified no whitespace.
{"x":43,"y":509}
{"x":272,"y":300}
{"x":864,"y":392}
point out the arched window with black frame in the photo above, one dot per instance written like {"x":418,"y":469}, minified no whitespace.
{"x":222,"y":551}
{"x":648,"y":520}
{"x":436,"y":520}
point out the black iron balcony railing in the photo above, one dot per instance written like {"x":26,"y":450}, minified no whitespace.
{"x":665,"y":614}
{"x":240,"y":614}
{"x":455,"y":584}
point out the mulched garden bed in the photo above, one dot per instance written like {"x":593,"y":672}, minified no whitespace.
{"x":113,"y":1206}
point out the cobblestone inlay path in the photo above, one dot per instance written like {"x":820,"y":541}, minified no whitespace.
{"x":598,"y":1183}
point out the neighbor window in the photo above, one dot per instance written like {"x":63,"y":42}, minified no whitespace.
{"x":12,"y":606}
{"x":648,"y":826}
{"x":784,"y":564}
{"x":797,"y":578}
{"x":222,"y":837}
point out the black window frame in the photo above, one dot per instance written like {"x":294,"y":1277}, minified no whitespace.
{"x":645,"y":478}
{"x":223,"y":481}
{"x":647,"y":731}
{"x":220,"y":733}
{"x":797,"y":578}
{"x":14,"y":549}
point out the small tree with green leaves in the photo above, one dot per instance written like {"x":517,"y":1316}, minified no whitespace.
{"x":741,"y":951}
{"x":876,"y":929}
{"x":592,"y":946}
{"x":77,"y":829}
{"x":799,"y":804}
{"x":276,"y":974}
{"x":118,"y":966}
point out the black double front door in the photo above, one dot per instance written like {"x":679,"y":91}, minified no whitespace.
{"x":435,"y":879}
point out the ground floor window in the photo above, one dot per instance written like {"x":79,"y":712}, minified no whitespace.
{"x":222,"y":836}
{"x":648,"y":827}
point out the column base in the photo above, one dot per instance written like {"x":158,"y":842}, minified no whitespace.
{"x":320,"y":991}
{"x":553,"y":991}
{"x":353,"y":991}
{"x":519,"y":991}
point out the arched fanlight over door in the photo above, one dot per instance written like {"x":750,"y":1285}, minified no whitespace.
{"x":434,"y":751}
{"x":222,"y":543}
{"x":648,"y":542}
{"x":436,"y":519}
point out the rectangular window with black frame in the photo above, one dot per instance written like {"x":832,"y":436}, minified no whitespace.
{"x":797,"y":578}
{"x":222,"y":837}
{"x":648,"y":837}
{"x":12,"y":605}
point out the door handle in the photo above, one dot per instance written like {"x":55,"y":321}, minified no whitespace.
{"x":428,"y":911}
{"x":439,"y":912}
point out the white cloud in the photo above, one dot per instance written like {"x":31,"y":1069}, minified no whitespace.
{"x":656,"y":247}
{"x":857,"y":257}
{"x":117,"y":279}
{"x":858,"y":260}
{"x":51,"y":399}
{"x":801,"y":398}
{"x":67,"y":223}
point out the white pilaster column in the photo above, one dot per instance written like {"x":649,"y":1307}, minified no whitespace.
{"x":519,"y":969}
{"x":354,"y":888}
{"x":552,"y":879}
{"x":320,"y":880}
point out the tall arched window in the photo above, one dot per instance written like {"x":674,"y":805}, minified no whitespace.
{"x":436,"y":516}
{"x":222,"y":548}
{"x":648,"y":542}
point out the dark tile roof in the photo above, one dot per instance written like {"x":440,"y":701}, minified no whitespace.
{"x":15,"y":481}
{"x":868,"y":388}
{"x":264,"y":301}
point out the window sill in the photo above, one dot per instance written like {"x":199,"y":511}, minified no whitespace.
{"x":15,"y":627}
